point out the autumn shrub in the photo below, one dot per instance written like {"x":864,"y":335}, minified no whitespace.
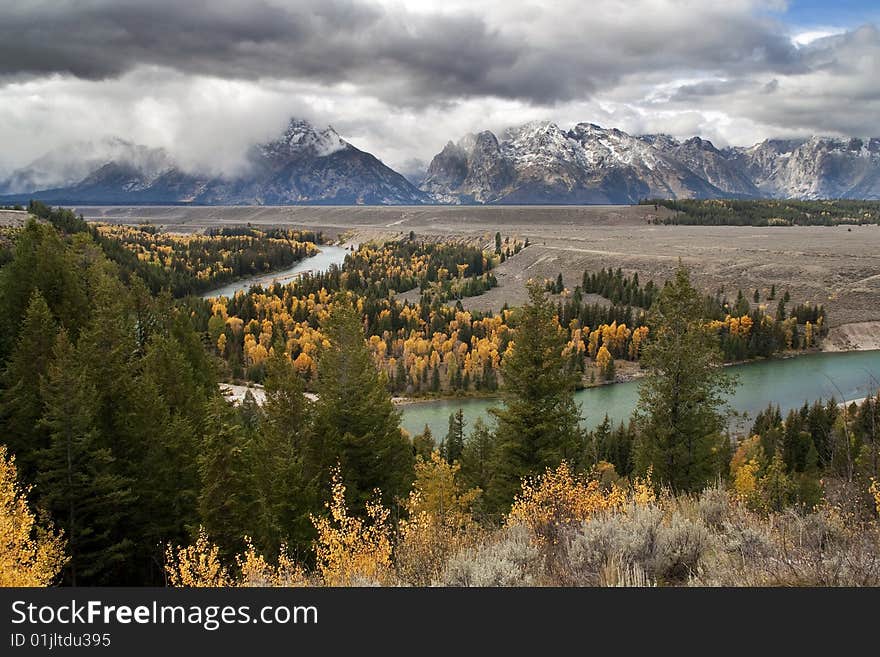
{"x":352,"y":551}
{"x":550,"y":503}
{"x":255,"y":571}
{"x":820,"y":548}
{"x":196,"y":565}
{"x":508,"y":558}
{"x":439,"y":522}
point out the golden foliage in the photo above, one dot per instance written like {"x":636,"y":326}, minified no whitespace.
{"x":643,"y":490}
{"x":603,"y":359}
{"x":255,"y":571}
{"x":30,"y":554}
{"x":745,"y":482}
{"x":439,"y":524}
{"x":196,"y":565}
{"x":549,"y":502}
{"x":749,"y":449}
{"x":348,"y":550}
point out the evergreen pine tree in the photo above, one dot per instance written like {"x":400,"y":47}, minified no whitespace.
{"x":538,"y":426}
{"x":356,"y":424}
{"x":681,"y":401}
{"x":22,"y":403}
{"x":285,"y":498}
{"x":77,"y":479}
{"x":453,"y":443}
{"x":227,"y":501}
{"x":477,"y":458}
{"x":423,"y":443}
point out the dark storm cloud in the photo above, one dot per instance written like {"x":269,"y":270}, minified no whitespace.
{"x":410,"y":57}
{"x":326,"y":41}
{"x":206,"y":79}
{"x":710,"y":88}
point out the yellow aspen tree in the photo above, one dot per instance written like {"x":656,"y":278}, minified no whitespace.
{"x":559,"y":498}
{"x":30,"y":554}
{"x":439,"y":521}
{"x":603,"y":358}
{"x":196,"y":565}
{"x":593,"y":345}
{"x":257,"y":572}
{"x":349,"y":550}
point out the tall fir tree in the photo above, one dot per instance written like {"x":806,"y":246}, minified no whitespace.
{"x":477,"y":458}
{"x":78,"y":480}
{"x":227,"y":501}
{"x":538,"y":426}
{"x":423,"y":443}
{"x":285,"y":499}
{"x":355,"y":422}
{"x":680,"y":413}
{"x":453,"y":444}
{"x":22,"y":403}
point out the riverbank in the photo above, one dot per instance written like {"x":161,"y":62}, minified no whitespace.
{"x":236,"y":393}
{"x":857,"y":336}
{"x":628,"y":372}
{"x":326,"y":256}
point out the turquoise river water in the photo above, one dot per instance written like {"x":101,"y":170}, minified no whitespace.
{"x":787,"y":382}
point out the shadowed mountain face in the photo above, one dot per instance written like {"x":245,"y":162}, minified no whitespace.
{"x":534,"y":163}
{"x":303,"y":166}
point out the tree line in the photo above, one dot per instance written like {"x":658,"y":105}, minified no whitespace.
{"x":768,"y":212}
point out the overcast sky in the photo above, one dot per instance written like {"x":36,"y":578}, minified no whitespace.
{"x":206,"y":78}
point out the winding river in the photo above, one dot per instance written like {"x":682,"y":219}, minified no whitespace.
{"x":326,"y":256}
{"x":787,"y":382}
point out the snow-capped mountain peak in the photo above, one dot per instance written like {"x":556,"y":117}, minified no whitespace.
{"x":301,"y":136}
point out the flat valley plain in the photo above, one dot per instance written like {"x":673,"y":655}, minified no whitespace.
{"x":835,"y":266}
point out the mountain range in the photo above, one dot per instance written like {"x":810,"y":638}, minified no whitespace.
{"x":538,"y":162}
{"x":304,"y":165}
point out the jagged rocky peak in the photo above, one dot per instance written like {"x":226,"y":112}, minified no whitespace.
{"x":700,"y":144}
{"x":300,"y":136}
{"x":541,"y":162}
{"x":661,"y":141}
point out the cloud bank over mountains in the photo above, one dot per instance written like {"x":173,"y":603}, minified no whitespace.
{"x":205,"y":80}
